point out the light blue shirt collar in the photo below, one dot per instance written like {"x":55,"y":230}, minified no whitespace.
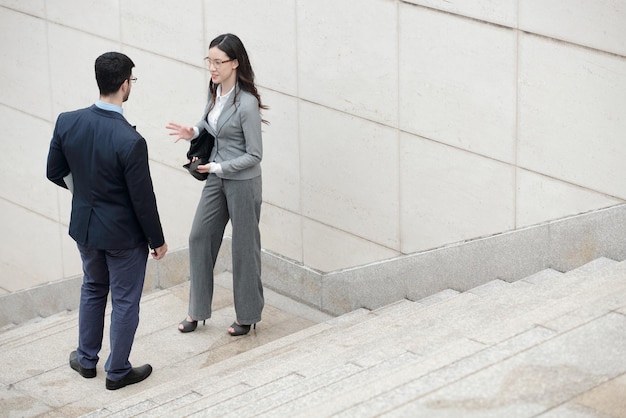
{"x":108,"y":106}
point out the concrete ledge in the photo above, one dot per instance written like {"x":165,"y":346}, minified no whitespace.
{"x":292,"y":279}
{"x":561,"y":245}
{"x":40,"y":301}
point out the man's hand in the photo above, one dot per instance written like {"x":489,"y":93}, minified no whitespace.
{"x":159,"y":253}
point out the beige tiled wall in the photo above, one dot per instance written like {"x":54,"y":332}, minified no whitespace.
{"x":540,"y":198}
{"x":396,"y":126}
{"x":349,"y":174}
{"x":502,"y":12}
{"x":597,"y":24}
{"x":571,"y":114}
{"x":348,"y":57}
{"x":448,"y":194}
{"x":457,"y":81}
{"x":24,"y":73}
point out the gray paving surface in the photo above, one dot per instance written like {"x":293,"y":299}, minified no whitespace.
{"x":550,"y":345}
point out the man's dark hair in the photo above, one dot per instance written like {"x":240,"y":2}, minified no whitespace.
{"x":112,"y":69}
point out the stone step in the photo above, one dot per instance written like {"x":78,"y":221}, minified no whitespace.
{"x":35,"y":355}
{"x":458,"y":359}
{"x":274,"y":352}
{"x":400,"y":359}
{"x":270,"y":382}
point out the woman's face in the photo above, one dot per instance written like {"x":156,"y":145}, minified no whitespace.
{"x":222,"y":69}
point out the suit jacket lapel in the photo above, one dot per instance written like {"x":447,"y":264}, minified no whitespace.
{"x":228,"y":111}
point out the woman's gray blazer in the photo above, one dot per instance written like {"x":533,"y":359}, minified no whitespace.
{"x":238,"y":146}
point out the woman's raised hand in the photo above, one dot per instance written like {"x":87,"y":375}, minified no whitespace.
{"x":183,"y":132}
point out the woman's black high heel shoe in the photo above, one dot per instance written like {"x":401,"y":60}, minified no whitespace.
{"x":189,"y":326}
{"x":240,"y":329}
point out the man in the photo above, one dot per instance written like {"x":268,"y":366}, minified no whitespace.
{"x":114,"y":218}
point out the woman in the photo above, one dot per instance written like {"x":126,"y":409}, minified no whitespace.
{"x":232,"y":190}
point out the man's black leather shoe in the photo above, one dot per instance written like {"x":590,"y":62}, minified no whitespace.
{"x":74,"y":364}
{"x":136,"y":375}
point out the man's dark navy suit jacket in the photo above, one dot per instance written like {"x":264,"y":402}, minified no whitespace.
{"x":113,"y":203}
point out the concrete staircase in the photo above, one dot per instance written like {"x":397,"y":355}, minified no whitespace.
{"x":550,"y":345}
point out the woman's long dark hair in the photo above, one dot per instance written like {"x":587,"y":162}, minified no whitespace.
{"x":232,"y":46}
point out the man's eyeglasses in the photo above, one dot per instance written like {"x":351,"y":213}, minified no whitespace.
{"x":133,"y":79}
{"x":215,"y":63}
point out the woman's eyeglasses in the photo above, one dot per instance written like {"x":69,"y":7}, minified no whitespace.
{"x":215,"y":63}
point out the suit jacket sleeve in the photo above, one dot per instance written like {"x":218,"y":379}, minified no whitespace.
{"x":250,"y":119}
{"x":140,"y":188}
{"x":57,"y":166}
